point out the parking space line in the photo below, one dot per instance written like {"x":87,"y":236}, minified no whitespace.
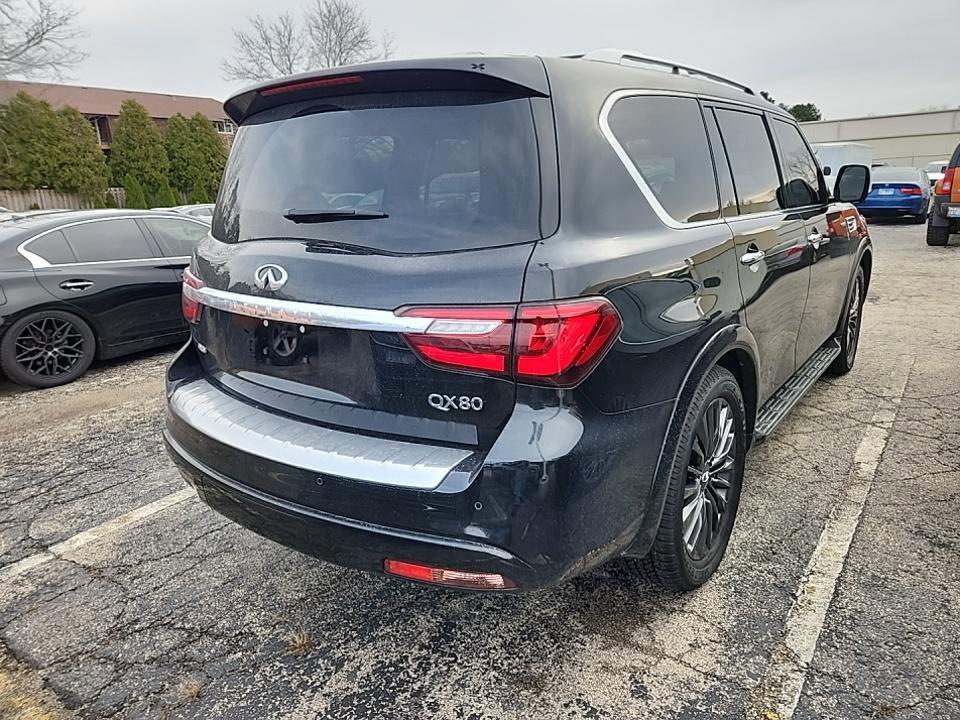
{"x":86,"y":537}
{"x":788,"y":667}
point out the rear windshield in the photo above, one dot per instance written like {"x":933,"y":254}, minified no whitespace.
{"x":895,"y":174}
{"x":450,"y":170}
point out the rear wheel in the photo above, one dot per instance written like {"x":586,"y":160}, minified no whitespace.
{"x":47,"y":348}
{"x":919,"y":219}
{"x":704,"y":488}
{"x":937,"y":236}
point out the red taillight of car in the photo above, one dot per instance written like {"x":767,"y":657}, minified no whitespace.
{"x":556,"y":343}
{"x":449,"y":578}
{"x":944,"y":186}
{"x":189,"y":302}
{"x":910,"y":190}
{"x":312,"y":84}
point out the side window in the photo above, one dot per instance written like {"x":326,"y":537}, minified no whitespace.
{"x":53,"y":248}
{"x":107,"y":240}
{"x":728,"y":198}
{"x":751,"y":159}
{"x":176,"y":238}
{"x":800,"y":176}
{"x":666,"y":140}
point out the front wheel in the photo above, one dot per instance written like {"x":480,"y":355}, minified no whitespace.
{"x":704,"y":487}
{"x":850,"y":331}
{"x":47,"y":348}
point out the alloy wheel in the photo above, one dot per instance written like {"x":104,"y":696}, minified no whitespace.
{"x":853,"y":320}
{"x":709,"y":478}
{"x":49,"y":347}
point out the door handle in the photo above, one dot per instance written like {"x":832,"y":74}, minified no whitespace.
{"x":76,"y":285}
{"x":752,"y":256}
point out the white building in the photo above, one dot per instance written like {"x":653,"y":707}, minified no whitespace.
{"x":910,"y":139}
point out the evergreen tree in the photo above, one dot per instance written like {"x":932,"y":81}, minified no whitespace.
{"x":198,"y":194}
{"x":212,"y":152}
{"x":133,"y":193}
{"x":31,"y":138}
{"x":137,"y":148}
{"x":109,"y":201}
{"x":197,"y":155}
{"x":166,"y":198}
{"x":82,"y":168}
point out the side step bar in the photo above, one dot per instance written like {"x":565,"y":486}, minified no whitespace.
{"x":783,"y":400}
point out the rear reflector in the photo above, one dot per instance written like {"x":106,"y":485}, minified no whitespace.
{"x":312,"y":84}
{"x":449,"y":578}
{"x":189,"y":302}
{"x":557,"y":343}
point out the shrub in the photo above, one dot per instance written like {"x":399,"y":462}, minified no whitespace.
{"x":133,"y":192}
{"x":137,"y":148}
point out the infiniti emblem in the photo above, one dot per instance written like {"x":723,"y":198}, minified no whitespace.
{"x":270,"y":277}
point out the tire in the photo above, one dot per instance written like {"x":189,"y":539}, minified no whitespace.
{"x":674,"y":561}
{"x":919,"y":219}
{"x":62,"y":345}
{"x":937,"y":236}
{"x":849,"y":336}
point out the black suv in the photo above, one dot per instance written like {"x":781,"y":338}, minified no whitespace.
{"x":488,"y":322}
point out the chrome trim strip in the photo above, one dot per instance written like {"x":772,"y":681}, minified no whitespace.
{"x":665,"y":217}
{"x":303,"y":313}
{"x":37,"y":262}
{"x":309,"y":447}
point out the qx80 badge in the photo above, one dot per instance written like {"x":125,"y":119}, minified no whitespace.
{"x":446,"y":403}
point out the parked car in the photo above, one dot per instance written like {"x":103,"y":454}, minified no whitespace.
{"x":75,"y":286}
{"x":203,"y":211}
{"x":945,"y":214}
{"x":935,"y":171}
{"x":565,"y":311}
{"x":898,"y":192}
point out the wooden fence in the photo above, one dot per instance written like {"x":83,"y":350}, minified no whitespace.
{"x":49,"y":199}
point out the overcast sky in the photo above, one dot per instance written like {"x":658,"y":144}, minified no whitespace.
{"x":850,"y":57}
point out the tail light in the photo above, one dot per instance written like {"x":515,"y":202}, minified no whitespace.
{"x":945,"y":184}
{"x":556,"y":343}
{"x":450,"y":578}
{"x":911,"y":190}
{"x":189,"y":302}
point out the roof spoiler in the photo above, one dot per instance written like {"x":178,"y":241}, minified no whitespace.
{"x":519,"y":75}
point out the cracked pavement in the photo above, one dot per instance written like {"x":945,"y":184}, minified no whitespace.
{"x":184,"y":615}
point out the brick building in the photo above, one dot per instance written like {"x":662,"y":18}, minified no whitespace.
{"x":101,"y":106}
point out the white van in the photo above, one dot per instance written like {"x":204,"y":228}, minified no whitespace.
{"x":833,"y":156}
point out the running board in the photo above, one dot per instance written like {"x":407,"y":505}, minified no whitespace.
{"x":784,"y":399}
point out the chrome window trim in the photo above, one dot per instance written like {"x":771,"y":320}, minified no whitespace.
{"x":37,"y":262}
{"x":305,"y":313}
{"x":665,"y":217}
{"x":310,"y":447}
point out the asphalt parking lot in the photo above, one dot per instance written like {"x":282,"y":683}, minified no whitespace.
{"x":122,"y":596}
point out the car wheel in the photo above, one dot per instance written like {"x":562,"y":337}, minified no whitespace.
{"x":919,"y":219}
{"x":937,"y":236}
{"x":47,"y":348}
{"x":850,"y":332}
{"x":704,"y":487}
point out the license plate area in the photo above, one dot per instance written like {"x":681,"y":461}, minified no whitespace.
{"x":886,"y":191}
{"x":953,"y":212}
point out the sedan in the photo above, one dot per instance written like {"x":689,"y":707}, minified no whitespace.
{"x":86,"y":285}
{"x":897,"y":192}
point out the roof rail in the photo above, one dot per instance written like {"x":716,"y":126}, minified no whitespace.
{"x":619,"y":57}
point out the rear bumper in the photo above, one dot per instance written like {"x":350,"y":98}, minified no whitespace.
{"x":940,"y":215}
{"x":538,"y":507}
{"x":878,"y":207}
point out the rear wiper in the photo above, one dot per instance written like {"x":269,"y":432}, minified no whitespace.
{"x":319,"y":216}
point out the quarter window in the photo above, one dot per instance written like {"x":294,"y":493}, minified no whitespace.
{"x":108,"y":240}
{"x":666,"y":140}
{"x":53,"y":248}
{"x":176,"y":238}
{"x":751,"y":159}
{"x":800,"y":175}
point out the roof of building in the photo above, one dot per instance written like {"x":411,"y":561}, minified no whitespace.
{"x":105,"y":101}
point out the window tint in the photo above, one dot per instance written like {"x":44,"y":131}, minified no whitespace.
{"x":800,"y":176}
{"x":728,"y":198}
{"x":53,"y":248}
{"x":176,"y":237}
{"x":450,"y":170}
{"x":751,"y":159}
{"x":108,"y":240}
{"x":667,"y":142}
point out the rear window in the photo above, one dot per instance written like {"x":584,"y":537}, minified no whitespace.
{"x":895,"y":175}
{"x":176,"y":238}
{"x":450,"y":170}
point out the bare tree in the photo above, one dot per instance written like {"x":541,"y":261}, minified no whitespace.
{"x":38,"y":38}
{"x":330,"y":33}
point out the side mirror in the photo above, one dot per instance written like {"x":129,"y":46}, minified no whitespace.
{"x":853,"y":183}
{"x":826,"y":170}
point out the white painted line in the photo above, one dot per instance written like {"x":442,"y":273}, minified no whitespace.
{"x":787,"y":672}
{"x":86,"y":537}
